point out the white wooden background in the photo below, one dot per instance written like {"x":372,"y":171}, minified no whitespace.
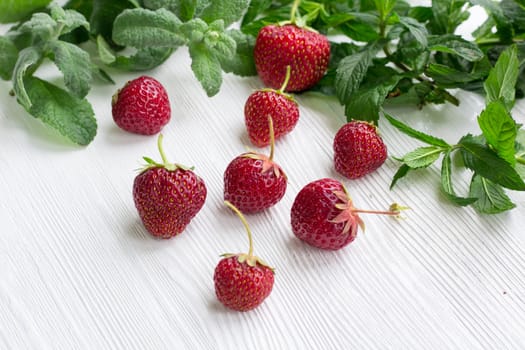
{"x":79,"y":271}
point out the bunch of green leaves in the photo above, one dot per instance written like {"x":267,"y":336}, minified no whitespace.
{"x":16,"y":10}
{"x":203,"y":26}
{"x":496,"y":157}
{"x":388,"y":50}
{"x":26,"y":46}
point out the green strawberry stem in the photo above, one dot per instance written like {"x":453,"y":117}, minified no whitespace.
{"x":286,"y":80}
{"x":165,"y":162}
{"x":272,"y":137}
{"x":293,"y":13}
{"x":245,"y":223}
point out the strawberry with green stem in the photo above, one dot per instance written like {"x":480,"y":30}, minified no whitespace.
{"x":281,"y":106}
{"x":242,"y":281}
{"x":253,"y":181}
{"x":167,"y":195}
{"x":292,"y":44}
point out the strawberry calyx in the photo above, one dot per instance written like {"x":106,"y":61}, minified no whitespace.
{"x":295,"y":20}
{"x":150,"y":163}
{"x":268,"y":163}
{"x":247,"y":258}
{"x":349,"y":214}
{"x":282,"y":89}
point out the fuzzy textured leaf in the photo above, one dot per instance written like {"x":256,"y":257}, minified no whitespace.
{"x":15,"y":10}
{"x":207,"y":68}
{"x":8,"y":57}
{"x":28,"y":58}
{"x":184,"y":9}
{"x":228,"y":11}
{"x":69,"y":115}
{"x":242,"y":63}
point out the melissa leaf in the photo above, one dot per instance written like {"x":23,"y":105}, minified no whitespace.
{"x":242,"y":63}
{"x":184,"y":9}
{"x":8,"y":57}
{"x":491,"y":197}
{"x":141,"y":28}
{"x":75,"y":64}
{"x":15,"y":10}
{"x":499,"y":129}
{"x":207,"y":68}
{"x":228,"y":11}
{"x":41,"y":26}
{"x":71,"y":116}
{"x":28,"y":60}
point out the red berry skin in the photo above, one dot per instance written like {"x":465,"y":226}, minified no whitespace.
{"x":241,"y":287}
{"x":313,"y":212}
{"x":358,"y":149}
{"x":305,"y":51}
{"x":251,"y":188}
{"x":263,"y":103}
{"x":142,"y":106}
{"x":167,"y":200}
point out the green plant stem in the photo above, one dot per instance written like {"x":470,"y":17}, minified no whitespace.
{"x":272,"y":137}
{"x":246,"y":226}
{"x":293,"y":13}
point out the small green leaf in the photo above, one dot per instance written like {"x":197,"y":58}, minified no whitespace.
{"x":422,"y":157}
{"x":229,"y":11}
{"x":499,"y":130}
{"x":71,"y":116}
{"x":75,"y":64}
{"x":107,"y":56}
{"x":68,"y":20}
{"x":488,"y":164}
{"x":27,"y":61}
{"x":449,"y":77}
{"x":446,"y":183}
{"x":40,"y":25}
{"x":207,"y":68}
{"x":143,"y":60}
{"x":418,"y":30}
{"x":501,"y":82}
{"x":431,"y":140}
{"x":255,"y":8}
{"x":8,"y":57}
{"x":351,"y":72}
{"x":142,"y":29}
{"x":242,"y":63}
{"x":401,"y":172}
{"x":491,"y":197}
{"x":16,"y":10}
{"x":103,"y":14}
{"x":456,"y":45}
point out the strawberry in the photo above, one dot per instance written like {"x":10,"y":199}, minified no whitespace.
{"x":253,"y":181}
{"x":303,"y":49}
{"x":242,"y":281}
{"x":324,"y":216}
{"x":282,"y":107}
{"x":358,"y":149}
{"x":167,"y":196}
{"x":141,"y":106}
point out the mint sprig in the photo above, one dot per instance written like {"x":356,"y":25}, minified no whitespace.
{"x":495,"y":157}
{"x":65,"y":110}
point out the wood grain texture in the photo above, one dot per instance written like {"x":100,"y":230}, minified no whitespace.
{"x":79,"y":271}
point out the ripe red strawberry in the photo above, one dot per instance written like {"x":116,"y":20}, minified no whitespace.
{"x":141,"y":106}
{"x":282,"y":107}
{"x":358,"y":149}
{"x":167,"y":196}
{"x":324,"y":216}
{"x":304,"y":50}
{"x":242,"y":281}
{"x":253,"y":181}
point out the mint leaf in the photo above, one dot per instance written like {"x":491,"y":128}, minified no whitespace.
{"x":499,"y":129}
{"x":75,"y":64}
{"x":223,"y":46}
{"x":431,"y":140}
{"x":418,"y":30}
{"x":488,"y":164}
{"x":446,"y":183}
{"x":367,"y":102}
{"x":491,"y":197}
{"x":254,"y":9}
{"x":229,"y":11}
{"x":207,"y":68}
{"x":401,"y":172}
{"x":144,"y":59}
{"x":68,"y":20}
{"x":71,"y":116}
{"x":242,"y":63}
{"x":501,"y":82}
{"x":422,"y":157}
{"x":456,"y":45}
{"x":8,"y":57}
{"x":15,"y":10}
{"x":40,"y":25}
{"x":351,"y":71}
{"x":141,"y":28}
{"x":27,"y":61}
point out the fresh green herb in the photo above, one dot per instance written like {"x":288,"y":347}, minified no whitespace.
{"x":491,"y":156}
